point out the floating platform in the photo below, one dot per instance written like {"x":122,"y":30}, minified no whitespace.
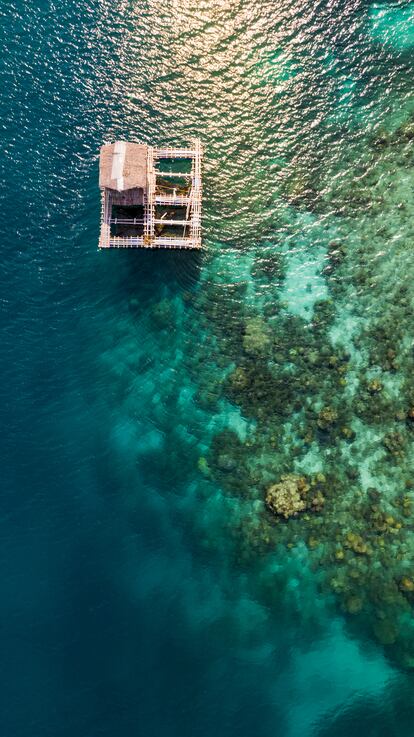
{"x":144,"y":206}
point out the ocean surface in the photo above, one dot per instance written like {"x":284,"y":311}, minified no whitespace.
{"x":149,"y":401}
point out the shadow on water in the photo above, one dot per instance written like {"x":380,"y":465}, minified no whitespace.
{"x":146,"y":273}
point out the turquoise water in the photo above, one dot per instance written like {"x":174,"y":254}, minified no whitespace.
{"x":150,"y":401}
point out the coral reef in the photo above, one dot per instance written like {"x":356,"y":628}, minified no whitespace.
{"x":288,"y":497}
{"x":256,"y":336}
{"x":326,"y":418}
{"x":337,"y":394}
{"x":293,"y":494}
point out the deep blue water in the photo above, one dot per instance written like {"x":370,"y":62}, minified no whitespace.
{"x":125,"y":610}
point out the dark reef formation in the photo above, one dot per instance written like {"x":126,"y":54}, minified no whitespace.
{"x":328,"y":461}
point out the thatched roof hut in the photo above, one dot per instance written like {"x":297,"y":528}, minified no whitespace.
{"x":123,"y":166}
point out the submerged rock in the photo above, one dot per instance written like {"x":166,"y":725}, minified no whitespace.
{"x":326,"y":418}
{"x":385,"y":631}
{"x":225,"y":462}
{"x":394,"y":442}
{"x":203,"y":466}
{"x":256,"y":336}
{"x":357,"y":544}
{"x":163,"y":313}
{"x":375,"y":386}
{"x":287,"y":498}
{"x":354,"y":604}
{"x":407,"y":584}
{"x":348,"y":433}
{"x":238,"y":379}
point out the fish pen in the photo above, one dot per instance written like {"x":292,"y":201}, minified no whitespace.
{"x":150,"y":197}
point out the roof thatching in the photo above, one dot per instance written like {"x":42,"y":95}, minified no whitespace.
{"x":123,"y":166}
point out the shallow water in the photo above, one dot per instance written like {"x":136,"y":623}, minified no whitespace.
{"x":150,"y":400}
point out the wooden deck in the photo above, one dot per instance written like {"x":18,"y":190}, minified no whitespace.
{"x":156,"y":242}
{"x":157,"y":195}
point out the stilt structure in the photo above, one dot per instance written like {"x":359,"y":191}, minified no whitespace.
{"x":144,"y":206}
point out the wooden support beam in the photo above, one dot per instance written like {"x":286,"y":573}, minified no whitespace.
{"x":166,"y":199}
{"x":173,"y":174}
{"x":157,"y":242}
{"x":174,"y":153}
{"x":162,"y":221}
